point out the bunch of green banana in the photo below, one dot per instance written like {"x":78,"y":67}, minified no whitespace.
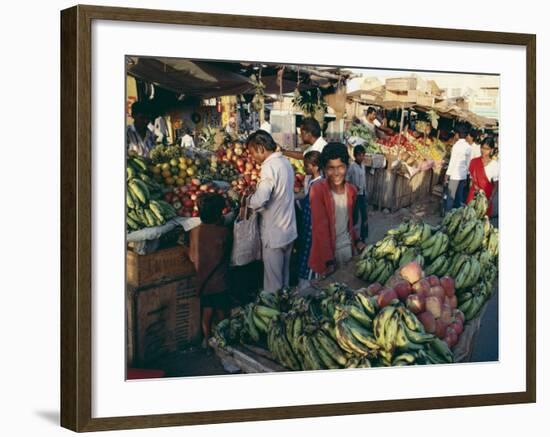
{"x":439,"y":267}
{"x":408,"y":255}
{"x":416,"y":234}
{"x":353,"y":331}
{"x":374,"y":270}
{"x":279,"y":345}
{"x":384,"y":247}
{"x":144,"y":207}
{"x":400,"y":230}
{"x":492,"y":243}
{"x":457,"y":216}
{"x":434,"y":246}
{"x":469,"y":236}
{"x":468,"y":273}
{"x":480,"y":204}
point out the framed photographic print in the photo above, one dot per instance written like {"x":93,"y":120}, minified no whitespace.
{"x":317,"y":211}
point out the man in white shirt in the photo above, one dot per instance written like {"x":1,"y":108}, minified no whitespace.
{"x":266,"y":125}
{"x":274,"y":200}
{"x":371,"y":122}
{"x":310,"y":132}
{"x":357,"y":176}
{"x":457,"y":171}
{"x":187,"y":139}
{"x":140,"y":137}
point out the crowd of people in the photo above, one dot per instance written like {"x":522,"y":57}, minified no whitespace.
{"x":471,"y":168}
{"x":326,"y":225}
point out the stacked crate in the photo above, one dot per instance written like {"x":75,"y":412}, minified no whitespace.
{"x":162,"y":304}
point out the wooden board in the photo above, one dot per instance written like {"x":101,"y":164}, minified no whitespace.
{"x":246,"y":358}
{"x":161,"y":319}
{"x":159,"y":266}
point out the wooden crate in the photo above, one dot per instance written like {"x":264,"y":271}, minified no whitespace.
{"x":159,"y":266}
{"x":161,"y":319}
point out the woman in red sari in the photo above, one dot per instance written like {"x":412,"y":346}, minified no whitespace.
{"x":484,"y":174}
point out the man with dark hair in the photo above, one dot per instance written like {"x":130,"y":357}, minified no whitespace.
{"x":187,"y":139}
{"x":266,"y":125}
{"x":274,"y":200}
{"x":371,"y":122}
{"x":140,"y":139}
{"x":310,"y":132}
{"x":457,"y":170}
{"x":357,"y":176}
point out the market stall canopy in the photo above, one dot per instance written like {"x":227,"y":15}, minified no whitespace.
{"x":453,"y":111}
{"x":182,"y":76}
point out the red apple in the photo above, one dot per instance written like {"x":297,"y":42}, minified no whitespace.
{"x":403,"y":289}
{"x":459,"y":315}
{"x":421,"y":287}
{"x":374,"y":289}
{"x":457,"y":326}
{"x":446,"y":313}
{"x":411,"y":272}
{"x":437,"y":291}
{"x":433,"y":280}
{"x":451,"y":337}
{"x":448,"y":285}
{"x":386,"y":296}
{"x":394,"y":280}
{"x":428,"y":321}
{"x":433,"y":305}
{"x":416,"y":303}
{"x":440,"y":328}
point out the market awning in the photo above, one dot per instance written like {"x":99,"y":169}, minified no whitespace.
{"x":182,"y":76}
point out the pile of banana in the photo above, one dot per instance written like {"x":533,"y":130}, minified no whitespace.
{"x":465,"y":247}
{"x":400,"y":246}
{"x":339,"y":328}
{"x":144,"y":204}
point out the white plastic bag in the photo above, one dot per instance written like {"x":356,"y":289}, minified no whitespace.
{"x":247,"y":246}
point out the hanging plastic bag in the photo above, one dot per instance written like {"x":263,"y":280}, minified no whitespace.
{"x":247,"y":245}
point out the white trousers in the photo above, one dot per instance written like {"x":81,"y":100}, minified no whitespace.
{"x":276,"y":267}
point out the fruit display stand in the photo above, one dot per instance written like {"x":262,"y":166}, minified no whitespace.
{"x":162,"y":304}
{"x":462,"y":350}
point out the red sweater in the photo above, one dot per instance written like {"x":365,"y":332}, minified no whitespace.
{"x":323,"y":222}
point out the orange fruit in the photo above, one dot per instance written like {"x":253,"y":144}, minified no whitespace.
{"x":166,"y":173}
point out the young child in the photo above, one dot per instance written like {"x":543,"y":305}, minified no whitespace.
{"x":209,"y":250}
{"x":313,"y":170}
{"x":357,"y":177}
{"x":332,"y":200}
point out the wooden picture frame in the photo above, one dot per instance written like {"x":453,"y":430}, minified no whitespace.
{"x":76,"y":218}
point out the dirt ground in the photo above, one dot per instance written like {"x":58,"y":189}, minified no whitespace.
{"x":197,"y":362}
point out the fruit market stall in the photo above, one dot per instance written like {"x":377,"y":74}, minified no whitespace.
{"x":415,"y":297}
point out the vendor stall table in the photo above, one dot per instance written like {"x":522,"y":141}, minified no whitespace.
{"x":253,"y":359}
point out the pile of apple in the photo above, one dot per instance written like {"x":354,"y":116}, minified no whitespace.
{"x":184,"y":198}
{"x":233,"y":163}
{"x":432,"y":299}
